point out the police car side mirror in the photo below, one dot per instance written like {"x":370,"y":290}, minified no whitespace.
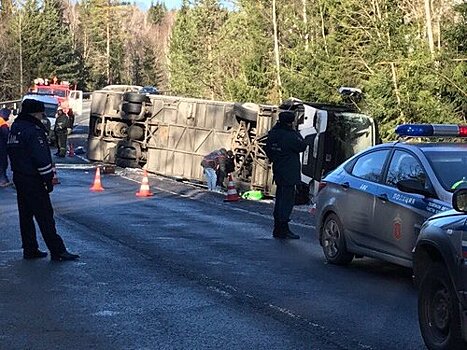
{"x":459,"y":200}
{"x":413,"y":186}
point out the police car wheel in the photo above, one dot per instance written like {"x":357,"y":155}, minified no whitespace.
{"x":333,"y":241}
{"x":438,"y":311}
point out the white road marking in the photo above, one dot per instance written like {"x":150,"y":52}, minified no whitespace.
{"x":74,"y":166}
{"x":105,"y":313}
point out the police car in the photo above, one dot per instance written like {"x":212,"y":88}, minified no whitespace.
{"x":375,"y":203}
{"x":440,"y":270}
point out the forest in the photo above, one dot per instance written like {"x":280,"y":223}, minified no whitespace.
{"x":409,"y":57}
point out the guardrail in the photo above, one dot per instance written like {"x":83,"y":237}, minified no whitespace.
{"x":13,"y":104}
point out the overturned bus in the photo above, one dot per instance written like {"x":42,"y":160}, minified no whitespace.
{"x":169,"y":135}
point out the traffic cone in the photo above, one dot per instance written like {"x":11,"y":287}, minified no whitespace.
{"x":71,"y":151}
{"x":144,"y":190}
{"x":232,"y":195}
{"x":55,"y":180}
{"x":97,"y":186}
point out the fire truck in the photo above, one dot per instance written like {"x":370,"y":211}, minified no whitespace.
{"x":67,"y":96}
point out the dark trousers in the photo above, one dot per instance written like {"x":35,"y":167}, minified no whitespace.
{"x":3,"y":164}
{"x":34,"y":202}
{"x":61,"y":142}
{"x":220,"y":178}
{"x":285,"y":200}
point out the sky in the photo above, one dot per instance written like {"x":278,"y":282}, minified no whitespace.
{"x":170,"y":4}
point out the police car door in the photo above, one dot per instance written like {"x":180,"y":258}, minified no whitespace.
{"x":399,"y":215}
{"x":357,"y":197}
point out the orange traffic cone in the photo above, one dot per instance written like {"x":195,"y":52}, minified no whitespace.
{"x":232,"y":195}
{"x":55,"y":180}
{"x":71,"y":151}
{"x":97,"y":186}
{"x":144,"y":190}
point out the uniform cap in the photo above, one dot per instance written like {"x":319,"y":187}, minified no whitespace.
{"x":287,"y":117}
{"x":223,"y":151}
{"x":30,"y":106}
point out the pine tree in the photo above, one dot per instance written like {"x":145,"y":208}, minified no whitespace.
{"x":6,"y":9}
{"x":194,"y":49}
{"x":60,"y":59}
{"x":157,"y":12}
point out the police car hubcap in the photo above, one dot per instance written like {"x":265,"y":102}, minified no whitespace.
{"x":440,"y":310}
{"x":330,"y":239}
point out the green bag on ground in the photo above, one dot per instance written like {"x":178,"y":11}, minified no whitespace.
{"x":253,"y":195}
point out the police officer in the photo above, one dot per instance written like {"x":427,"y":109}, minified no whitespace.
{"x":283,"y":148}
{"x":61,"y":132}
{"x":32,"y":175}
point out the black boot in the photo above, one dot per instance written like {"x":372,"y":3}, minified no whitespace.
{"x":65,"y":256}
{"x":289,"y":234}
{"x":278,"y":231}
{"x":35,"y":254}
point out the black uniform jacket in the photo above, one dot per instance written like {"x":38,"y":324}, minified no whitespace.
{"x":283,"y":148}
{"x":28,"y":148}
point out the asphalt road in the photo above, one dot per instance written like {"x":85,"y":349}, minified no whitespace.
{"x":184,"y":270}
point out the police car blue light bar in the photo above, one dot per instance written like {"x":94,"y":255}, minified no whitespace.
{"x":432,"y":130}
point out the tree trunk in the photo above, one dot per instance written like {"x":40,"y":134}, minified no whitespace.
{"x":21,"y":82}
{"x":276,"y":51}
{"x":429,"y":27}
{"x":305,"y":25}
{"x":323,"y":32}
{"x":108,"y":43}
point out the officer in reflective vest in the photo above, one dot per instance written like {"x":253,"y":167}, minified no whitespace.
{"x":4,"y":115}
{"x":283,"y":148}
{"x":31,"y":163}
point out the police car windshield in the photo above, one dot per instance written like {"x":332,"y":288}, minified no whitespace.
{"x":450,"y":167}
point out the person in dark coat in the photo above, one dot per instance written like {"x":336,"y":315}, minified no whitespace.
{"x":283,"y":148}
{"x":222,"y":172}
{"x":61,"y":132}
{"x":31,"y":163}
{"x":4,"y":129}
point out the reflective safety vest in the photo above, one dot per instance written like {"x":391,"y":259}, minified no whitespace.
{"x":3,"y":122}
